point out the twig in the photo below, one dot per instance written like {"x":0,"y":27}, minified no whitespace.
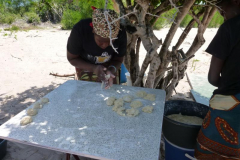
{"x":123,"y":17}
{"x":17,"y":58}
{"x":109,"y":26}
{"x":195,"y":18}
{"x":65,"y":75}
{"x":59,"y":56}
{"x":214,"y":5}
{"x":174,"y":5}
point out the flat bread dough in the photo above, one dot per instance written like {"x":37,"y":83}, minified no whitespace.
{"x":120,"y":111}
{"x":44,"y":100}
{"x":147,"y":109}
{"x":186,"y":119}
{"x":136,"y":104}
{"x":118,"y":103}
{"x":150,"y":97}
{"x":132,"y":112}
{"x":26,"y":120}
{"x":110,"y":101}
{"x":32,"y":112}
{"x":128,"y":98}
{"x":37,"y":105}
{"x":141,"y":94}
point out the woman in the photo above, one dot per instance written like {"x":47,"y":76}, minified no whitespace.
{"x":89,"y":49}
{"x":219,"y":137}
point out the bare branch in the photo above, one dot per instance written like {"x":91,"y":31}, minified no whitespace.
{"x":17,"y":58}
{"x":109,"y":26}
{"x":195,"y":17}
{"x":161,"y":7}
{"x":126,"y":15}
{"x":121,"y":6}
{"x":174,"y":5}
{"x":58,"y":75}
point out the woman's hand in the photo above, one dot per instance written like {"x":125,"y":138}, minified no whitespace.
{"x":100,"y":71}
{"x":109,"y":79}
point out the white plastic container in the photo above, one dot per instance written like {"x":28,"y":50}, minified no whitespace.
{"x":129,"y":81}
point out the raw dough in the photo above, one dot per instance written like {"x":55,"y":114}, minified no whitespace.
{"x":37,"y":105}
{"x":25,"y":120}
{"x":115,"y":108}
{"x":120,"y":111}
{"x":141,"y":94}
{"x":186,"y":119}
{"x":136,"y":104}
{"x":128,"y":98}
{"x":110,"y":101}
{"x":150,"y":97}
{"x":132,"y":112}
{"x":147,"y":109}
{"x":31,"y":112}
{"x":44,"y":100}
{"x":118,"y":103}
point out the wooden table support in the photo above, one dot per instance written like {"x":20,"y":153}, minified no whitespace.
{"x":68,"y":156}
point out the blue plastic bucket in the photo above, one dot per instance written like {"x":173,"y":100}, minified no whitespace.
{"x":174,"y":152}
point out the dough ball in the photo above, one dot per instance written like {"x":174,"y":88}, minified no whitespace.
{"x":120,"y":111}
{"x":141,"y":94}
{"x":150,"y":97}
{"x":25,"y":120}
{"x":110,"y":101}
{"x":31,"y":112}
{"x":37,"y":105}
{"x":132,"y":112}
{"x":115,"y":108}
{"x":147,"y":109}
{"x":118,"y":103}
{"x":128,"y":98}
{"x":186,"y":119}
{"x":136,"y":104}
{"x":44,"y":100}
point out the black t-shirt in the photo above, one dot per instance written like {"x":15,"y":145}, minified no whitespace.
{"x":226,"y":46}
{"x":81,"y":42}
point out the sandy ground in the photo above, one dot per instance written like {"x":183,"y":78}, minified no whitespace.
{"x":26,"y":60}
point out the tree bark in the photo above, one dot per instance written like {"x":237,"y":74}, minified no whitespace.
{"x":133,"y":68}
{"x":187,"y":30}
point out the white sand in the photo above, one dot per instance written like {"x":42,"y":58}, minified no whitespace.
{"x":25,"y":78}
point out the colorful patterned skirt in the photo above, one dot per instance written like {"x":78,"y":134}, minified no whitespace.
{"x":219,"y":137}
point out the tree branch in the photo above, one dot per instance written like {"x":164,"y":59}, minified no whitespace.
{"x":58,"y":75}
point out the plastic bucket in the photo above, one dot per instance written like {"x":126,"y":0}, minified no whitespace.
{"x":180,"y":137}
{"x":3,"y":148}
{"x":174,"y":152}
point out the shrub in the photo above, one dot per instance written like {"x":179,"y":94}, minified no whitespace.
{"x":216,"y":21}
{"x":185,"y":21}
{"x":7,"y":18}
{"x":165,"y":19}
{"x":70,"y":18}
{"x":14,"y":28}
{"x":32,"y":17}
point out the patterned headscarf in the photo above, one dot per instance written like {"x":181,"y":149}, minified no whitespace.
{"x":100,"y":25}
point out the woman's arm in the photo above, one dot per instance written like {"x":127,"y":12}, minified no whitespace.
{"x":78,"y":62}
{"x":214,"y":74}
{"x":116,"y":62}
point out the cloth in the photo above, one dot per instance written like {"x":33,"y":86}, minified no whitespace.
{"x":219,"y":136}
{"x":226,"y":46}
{"x":100,"y":24}
{"x":81,"y":42}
